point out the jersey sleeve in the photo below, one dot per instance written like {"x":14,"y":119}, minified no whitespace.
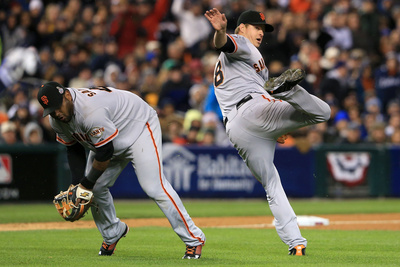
{"x":100,"y":129}
{"x":61,"y":137}
{"x":242,"y":50}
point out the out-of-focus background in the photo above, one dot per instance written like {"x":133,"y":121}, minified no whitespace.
{"x":162,"y":50}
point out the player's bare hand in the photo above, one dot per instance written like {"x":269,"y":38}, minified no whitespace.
{"x":281,"y":139}
{"x":217,"y":19}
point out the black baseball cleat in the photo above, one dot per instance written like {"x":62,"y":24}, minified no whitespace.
{"x":299,"y":250}
{"x":193,"y":252}
{"x":285,"y":82}
{"x":108,"y":250}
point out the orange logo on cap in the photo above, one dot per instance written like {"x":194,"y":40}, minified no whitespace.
{"x":44,"y":100}
{"x":262,"y":16}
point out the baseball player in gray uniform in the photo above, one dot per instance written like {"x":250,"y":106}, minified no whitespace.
{"x":258,"y":111}
{"x":117,"y":127}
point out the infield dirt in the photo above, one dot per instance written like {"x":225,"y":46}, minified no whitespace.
{"x":386,"y":221}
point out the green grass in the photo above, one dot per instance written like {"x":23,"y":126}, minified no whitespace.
{"x":160,"y":246}
{"x":44,"y":212}
{"x":157,"y":246}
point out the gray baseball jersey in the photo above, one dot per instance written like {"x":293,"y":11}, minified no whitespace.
{"x":105,"y":114}
{"x":254,"y":126}
{"x":239,"y":73}
{"x":96,"y":122}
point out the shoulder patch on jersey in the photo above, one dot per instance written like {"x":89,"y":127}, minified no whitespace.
{"x":96,"y":131}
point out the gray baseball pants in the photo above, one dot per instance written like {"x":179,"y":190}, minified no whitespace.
{"x":146,"y":157}
{"x":254,"y":129}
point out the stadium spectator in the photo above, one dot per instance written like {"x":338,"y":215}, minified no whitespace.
{"x":365,"y":83}
{"x":314,"y":136}
{"x":174,"y":133}
{"x":176,"y":89}
{"x":197,"y":95}
{"x":369,"y":21}
{"x":393,"y":124}
{"x":151,"y":13}
{"x":393,"y":107}
{"x":124,"y":26}
{"x":72,"y":35}
{"x":395,"y":138}
{"x":8,"y":133}
{"x":214,"y":128}
{"x":135,"y":23}
{"x":35,"y":10}
{"x":208,"y":137}
{"x":330,"y":59}
{"x":12,"y":34}
{"x":19,"y":62}
{"x":194,"y":27}
{"x":353,"y":134}
{"x":387,"y":81}
{"x":33,"y":134}
{"x":359,"y":37}
{"x":335,"y":25}
{"x":335,"y":82}
{"x":104,"y":53}
{"x":376,"y":134}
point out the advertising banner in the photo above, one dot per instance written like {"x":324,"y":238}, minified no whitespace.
{"x":395,"y":171}
{"x":213,"y":172}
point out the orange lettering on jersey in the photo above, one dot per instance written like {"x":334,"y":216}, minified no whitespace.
{"x":96,"y":131}
{"x":260,"y":66}
{"x":262,"y":63}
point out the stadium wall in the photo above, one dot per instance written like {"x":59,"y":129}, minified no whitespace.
{"x":328,"y":171}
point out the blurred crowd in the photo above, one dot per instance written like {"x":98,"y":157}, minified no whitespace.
{"x":162,"y":50}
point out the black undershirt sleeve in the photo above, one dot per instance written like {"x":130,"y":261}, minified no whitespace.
{"x":105,"y":152}
{"x":228,"y":47}
{"x":76,"y":155}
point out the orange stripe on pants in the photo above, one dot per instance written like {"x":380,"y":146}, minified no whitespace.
{"x":162,"y":185}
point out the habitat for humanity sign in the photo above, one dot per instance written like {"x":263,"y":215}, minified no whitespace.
{"x":208,"y":172}
{"x":197,"y":172}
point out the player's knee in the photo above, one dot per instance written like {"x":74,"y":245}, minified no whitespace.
{"x":99,"y":190}
{"x":327,"y":113}
{"x":152,"y":192}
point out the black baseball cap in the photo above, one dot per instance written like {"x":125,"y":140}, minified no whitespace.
{"x":50,"y":96}
{"x":254,"y":18}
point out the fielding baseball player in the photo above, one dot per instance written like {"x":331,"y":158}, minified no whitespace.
{"x":258,"y":111}
{"x":117,"y":127}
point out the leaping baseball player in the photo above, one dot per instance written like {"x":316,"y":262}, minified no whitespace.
{"x":118,"y":128}
{"x":258,"y":111}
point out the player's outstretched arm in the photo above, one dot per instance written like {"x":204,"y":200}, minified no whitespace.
{"x":219,"y":23}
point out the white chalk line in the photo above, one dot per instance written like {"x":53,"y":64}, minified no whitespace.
{"x":270,"y":225}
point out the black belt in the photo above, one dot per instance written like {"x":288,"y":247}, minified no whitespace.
{"x":239,"y":104}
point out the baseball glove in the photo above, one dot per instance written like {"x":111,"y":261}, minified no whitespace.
{"x":69,"y":207}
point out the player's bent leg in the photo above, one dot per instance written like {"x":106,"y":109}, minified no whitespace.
{"x":161,"y":191}
{"x":148,"y":166}
{"x":104,"y":214}
{"x":314,"y":109}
